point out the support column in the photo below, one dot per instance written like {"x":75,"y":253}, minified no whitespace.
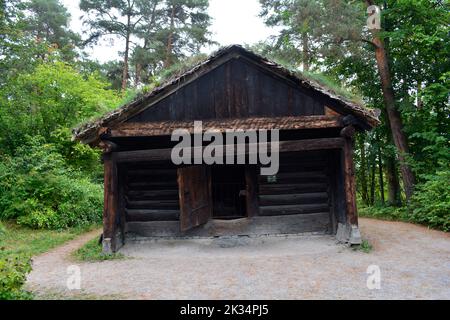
{"x":110,"y":209}
{"x":251,"y":192}
{"x":349,"y":232}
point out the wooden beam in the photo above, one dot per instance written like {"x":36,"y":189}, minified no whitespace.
{"x":165,"y":128}
{"x":110,"y":208}
{"x":349,"y":176}
{"x":251,"y":191}
{"x":284,"y":146}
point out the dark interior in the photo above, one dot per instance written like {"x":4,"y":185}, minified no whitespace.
{"x":228,"y":192}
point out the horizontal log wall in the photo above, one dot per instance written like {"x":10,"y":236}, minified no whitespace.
{"x":300,"y":188}
{"x":151,"y":193}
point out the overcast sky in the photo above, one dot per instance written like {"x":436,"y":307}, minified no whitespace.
{"x":230,"y":26}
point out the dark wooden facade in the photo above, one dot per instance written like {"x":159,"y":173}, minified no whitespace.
{"x":314,"y":190}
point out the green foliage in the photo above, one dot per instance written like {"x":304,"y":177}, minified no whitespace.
{"x":365,"y":247}
{"x":40,"y":191}
{"x":384,"y":212}
{"x":17,"y":244}
{"x":92,"y":251}
{"x":13,"y":272}
{"x":430,"y":204}
{"x":53,"y":96}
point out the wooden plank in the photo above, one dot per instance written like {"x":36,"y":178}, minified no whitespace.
{"x":349,"y":182}
{"x":152,"y":215}
{"x":284,"y":146}
{"x":152,"y":194}
{"x":290,"y":224}
{"x":271,"y":189}
{"x":295,"y":198}
{"x":110,"y":201}
{"x":153,"y":204}
{"x":152,"y":184}
{"x":286,"y":179}
{"x":195,"y":196}
{"x":304,"y":174}
{"x":293,"y":209}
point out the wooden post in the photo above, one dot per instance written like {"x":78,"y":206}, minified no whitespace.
{"x":349,"y":175}
{"x":110,"y":208}
{"x":350,"y":231}
{"x":251,"y":191}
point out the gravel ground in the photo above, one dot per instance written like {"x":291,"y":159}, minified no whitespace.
{"x":414,"y":264}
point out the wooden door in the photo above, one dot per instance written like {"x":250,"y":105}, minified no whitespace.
{"x":194,"y":185}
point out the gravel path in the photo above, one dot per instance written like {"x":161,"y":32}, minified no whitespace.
{"x":414,"y":264}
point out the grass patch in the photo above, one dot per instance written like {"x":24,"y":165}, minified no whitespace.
{"x":20,"y":240}
{"x":92,"y":252}
{"x":365,"y":247}
{"x":17,"y":245}
{"x":385,"y":213}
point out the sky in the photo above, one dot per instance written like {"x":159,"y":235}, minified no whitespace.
{"x":229,"y":26}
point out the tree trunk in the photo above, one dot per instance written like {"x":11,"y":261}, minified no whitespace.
{"x":393,"y":183}
{"x":363,"y":171}
{"x":169,"y":48}
{"x":372,"y":178}
{"x":125,"y":61}
{"x":395,"y":120}
{"x":380,"y":173}
{"x":137,"y":78}
{"x":305,"y":49}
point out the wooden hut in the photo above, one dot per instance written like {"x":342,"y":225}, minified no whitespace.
{"x":314,"y":191}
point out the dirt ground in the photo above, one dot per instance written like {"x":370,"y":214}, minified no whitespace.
{"x":414,"y":263}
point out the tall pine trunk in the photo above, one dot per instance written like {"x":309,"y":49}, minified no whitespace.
{"x":126,"y":54}
{"x":363,"y":171}
{"x":395,"y":120}
{"x":305,"y":49}
{"x":392,"y":182}
{"x":169,"y":48}
{"x":380,"y":175}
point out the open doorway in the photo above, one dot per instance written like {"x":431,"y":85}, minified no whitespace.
{"x":228,"y":192}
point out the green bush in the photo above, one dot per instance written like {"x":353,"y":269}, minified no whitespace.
{"x":40,"y":191}
{"x":13,"y":272}
{"x":430,"y":204}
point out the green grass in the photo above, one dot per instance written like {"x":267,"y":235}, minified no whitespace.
{"x":17,"y":245}
{"x":19,"y":240}
{"x":92,"y":252}
{"x":365,"y":247}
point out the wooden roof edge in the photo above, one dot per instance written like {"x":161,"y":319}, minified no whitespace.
{"x":90,"y":132}
{"x":162,"y":128}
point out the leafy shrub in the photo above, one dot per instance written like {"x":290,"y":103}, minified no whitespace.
{"x":13,"y":271}
{"x":384,"y":212}
{"x":40,"y":191}
{"x":430,"y":204}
